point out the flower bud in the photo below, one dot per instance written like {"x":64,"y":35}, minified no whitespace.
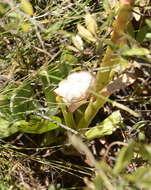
{"x":72,"y":48}
{"x":91,"y":24}
{"x":83,"y":32}
{"x":77,"y":41}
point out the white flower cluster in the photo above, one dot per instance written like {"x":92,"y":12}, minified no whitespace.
{"x":75,"y":87}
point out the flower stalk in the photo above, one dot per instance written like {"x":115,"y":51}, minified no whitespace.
{"x":119,"y":40}
{"x":68,"y":117}
{"x":110,"y":59}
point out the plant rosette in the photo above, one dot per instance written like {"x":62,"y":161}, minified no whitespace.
{"x":75,"y":87}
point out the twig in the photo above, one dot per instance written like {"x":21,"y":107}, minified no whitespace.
{"x":112,"y":144}
{"x":61,"y":125}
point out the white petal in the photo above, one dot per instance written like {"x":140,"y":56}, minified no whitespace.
{"x":75,"y":87}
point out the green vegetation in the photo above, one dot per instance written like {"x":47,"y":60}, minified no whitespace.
{"x":86,"y":130}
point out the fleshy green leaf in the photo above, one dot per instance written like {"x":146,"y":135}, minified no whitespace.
{"x":37,"y":126}
{"x":6,"y":129}
{"x":33,"y":126}
{"x":107,"y":127}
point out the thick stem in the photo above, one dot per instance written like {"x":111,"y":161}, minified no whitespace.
{"x":118,"y":39}
{"x":68,"y":117}
{"x":90,"y":112}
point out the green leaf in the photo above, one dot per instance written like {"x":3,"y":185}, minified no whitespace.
{"x":145,"y":151}
{"x":3,"y":99}
{"x":148,"y":22}
{"x":141,"y":177}
{"x":6,"y":129}
{"x":67,"y":62}
{"x":68,"y":58}
{"x":37,"y":126}
{"x":131,"y":30}
{"x":2,"y":9}
{"x":124,"y":157}
{"x":107,"y":127}
{"x":141,"y":34}
{"x":54,"y":27}
{"x":106,"y":5}
{"x":22,"y":101}
{"x":136,"y":51}
{"x":33,"y":126}
{"x":48,"y":88}
{"x":3,"y":187}
{"x":27,"y":7}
